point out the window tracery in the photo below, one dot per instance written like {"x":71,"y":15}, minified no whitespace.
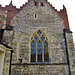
{"x":39,"y":47}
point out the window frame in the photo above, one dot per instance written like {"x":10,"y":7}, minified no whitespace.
{"x":46,"y":40}
{"x":36,"y":3}
{"x":42,"y":4}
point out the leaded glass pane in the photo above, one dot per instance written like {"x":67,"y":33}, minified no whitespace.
{"x":39,"y":33}
{"x":46,"y":55}
{"x":36,"y":47}
{"x":39,"y":51}
{"x":36,"y":38}
{"x":33,"y":51}
{"x":42,"y":38}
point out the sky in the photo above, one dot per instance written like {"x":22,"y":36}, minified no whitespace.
{"x":58,"y":4}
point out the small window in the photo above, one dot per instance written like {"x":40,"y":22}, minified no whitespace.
{"x":35,"y":15}
{"x":42,"y":4}
{"x":9,"y":10}
{"x":36,"y":3}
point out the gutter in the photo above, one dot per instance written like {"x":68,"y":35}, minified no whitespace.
{"x":10,"y":62}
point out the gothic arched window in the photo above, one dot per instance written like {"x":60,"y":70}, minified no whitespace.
{"x":39,"y":47}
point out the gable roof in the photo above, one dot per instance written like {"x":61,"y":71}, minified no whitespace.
{"x":12,"y":11}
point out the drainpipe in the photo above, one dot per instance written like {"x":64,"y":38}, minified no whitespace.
{"x":10,"y":62}
{"x":66,"y":47}
{"x":1,"y":34}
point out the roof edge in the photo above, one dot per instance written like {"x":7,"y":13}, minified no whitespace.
{"x":62,"y":14}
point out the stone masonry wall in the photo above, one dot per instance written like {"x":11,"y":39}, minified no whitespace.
{"x":25,"y":24}
{"x":39,"y":70}
{"x":3,"y":16}
{"x":71,"y":52}
{"x":30,"y":19}
{"x":6,"y":63}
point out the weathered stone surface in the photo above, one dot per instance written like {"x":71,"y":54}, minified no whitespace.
{"x":25,"y":23}
{"x":3,"y":16}
{"x":39,"y":70}
{"x":71,"y":52}
{"x":6,"y":63}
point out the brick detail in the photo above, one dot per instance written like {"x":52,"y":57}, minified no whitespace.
{"x":12,"y":11}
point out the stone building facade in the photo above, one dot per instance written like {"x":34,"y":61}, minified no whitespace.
{"x":37,"y":40}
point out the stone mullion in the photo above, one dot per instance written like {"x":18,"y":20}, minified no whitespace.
{"x":36,"y":51}
{"x":29,"y":51}
{"x":42,"y":52}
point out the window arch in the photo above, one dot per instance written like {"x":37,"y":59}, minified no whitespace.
{"x":39,"y":47}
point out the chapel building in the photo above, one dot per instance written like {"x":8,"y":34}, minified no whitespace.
{"x":35,"y":39}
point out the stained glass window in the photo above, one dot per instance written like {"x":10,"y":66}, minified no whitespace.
{"x":39,"y":33}
{"x":46,"y":55}
{"x":42,"y":38}
{"x":39,"y":51}
{"x":33,"y":51}
{"x":39,"y":47}
{"x":36,"y":38}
